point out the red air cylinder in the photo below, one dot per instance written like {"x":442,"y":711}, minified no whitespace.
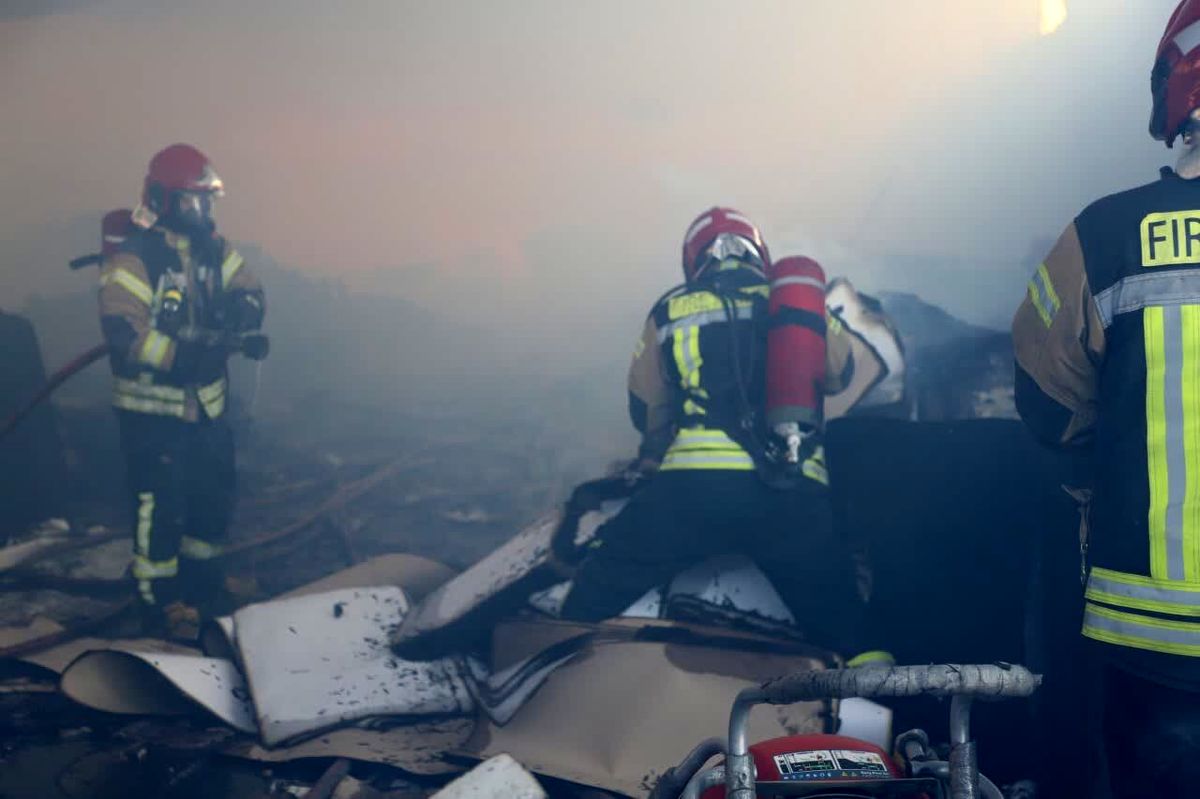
{"x":114,"y":229}
{"x":796,"y":343}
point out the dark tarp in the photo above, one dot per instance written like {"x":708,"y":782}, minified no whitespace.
{"x":31,"y":457}
{"x":975,"y":552}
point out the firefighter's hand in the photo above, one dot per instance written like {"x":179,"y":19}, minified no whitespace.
{"x":256,"y":347}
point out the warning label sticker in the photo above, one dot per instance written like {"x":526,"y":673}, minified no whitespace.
{"x":830,"y":765}
{"x":806,"y":765}
{"x":862,"y":762}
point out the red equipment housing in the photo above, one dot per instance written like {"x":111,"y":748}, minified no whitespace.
{"x":796,"y":342}
{"x":817,"y":758}
{"x":114,"y":229}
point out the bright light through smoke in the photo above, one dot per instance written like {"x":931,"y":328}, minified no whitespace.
{"x":1054,"y":14}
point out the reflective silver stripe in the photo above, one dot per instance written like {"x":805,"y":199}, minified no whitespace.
{"x":798,"y":281}
{"x":1179,"y":287}
{"x":1145,"y":593}
{"x":149,"y":406}
{"x":149,"y":390}
{"x":145,"y":521}
{"x":1141,"y":632}
{"x":702,"y":319}
{"x":702,"y":438}
{"x":1188,"y":38}
{"x":1176,"y":456}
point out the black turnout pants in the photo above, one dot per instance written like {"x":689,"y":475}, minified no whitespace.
{"x":1151,"y":737}
{"x":181,"y":479}
{"x":683,"y":517}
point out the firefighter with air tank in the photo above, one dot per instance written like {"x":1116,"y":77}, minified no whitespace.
{"x":727,"y":387}
{"x":176,"y":301}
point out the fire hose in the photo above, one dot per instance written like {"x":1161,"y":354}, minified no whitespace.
{"x":254,"y":346}
{"x":81,"y":362}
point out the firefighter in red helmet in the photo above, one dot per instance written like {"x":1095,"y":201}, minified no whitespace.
{"x":1107,"y":347}
{"x":696,"y":394}
{"x":176,"y":301}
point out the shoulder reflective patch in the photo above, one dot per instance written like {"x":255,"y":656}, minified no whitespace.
{"x":233,"y":262}
{"x":130,"y":282}
{"x":1043,"y":296}
{"x":1171,"y":238}
{"x":694,"y":303}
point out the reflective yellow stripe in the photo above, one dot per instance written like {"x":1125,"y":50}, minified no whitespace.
{"x":1048,"y":289}
{"x":1141,"y":632}
{"x":815,"y":470}
{"x":676,"y":461}
{"x":130,"y":282}
{"x":145,"y":522}
{"x":878,"y":657}
{"x":154,"y":349}
{"x":1189,"y":317}
{"x":1035,"y":299}
{"x":700,"y":448}
{"x":199,"y":549}
{"x":690,"y":408}
{"x":146,"y":569}
{"x":148,"y":406}
{"x":1137,"y":592}
{"x":1156,"y":439}
{"x":150,"y":390}
{"x":133,"y":395}
{"x":212,"y":397}
{"x":233,"y":262}
{"x":694,"y":354}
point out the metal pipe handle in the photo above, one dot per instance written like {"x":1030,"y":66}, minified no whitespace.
{"x":997,"y":681}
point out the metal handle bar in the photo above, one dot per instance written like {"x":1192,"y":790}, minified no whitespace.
{"x":964,"y":682}
{"x":999,"y":681}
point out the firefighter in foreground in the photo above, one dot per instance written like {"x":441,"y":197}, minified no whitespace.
{"x":175,"y":302}
{"x":1108,"y":357}
{"x":715,"y":353}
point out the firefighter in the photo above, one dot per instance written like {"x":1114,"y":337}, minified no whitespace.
{"x":176,"y":300}
{"x":1107,"y":347}
{"x":696,"y":395}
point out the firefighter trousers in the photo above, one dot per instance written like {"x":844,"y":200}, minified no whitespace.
{"x":181,"y":479}
{"x":683,"y":517}
{"x":1151,"y":734}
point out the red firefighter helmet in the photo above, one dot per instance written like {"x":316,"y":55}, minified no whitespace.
{"x":180,"y":168}
{"x":729,"y":229}
{"x":1175,"y":81}
{"x":114,"y":229}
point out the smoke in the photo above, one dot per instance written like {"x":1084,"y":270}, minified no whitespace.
{"x":499,"y":190}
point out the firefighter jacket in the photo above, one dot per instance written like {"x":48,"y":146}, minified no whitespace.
{"x":156,"y":288}
{"x":699,"y":367}
{"x":1108,"y":355}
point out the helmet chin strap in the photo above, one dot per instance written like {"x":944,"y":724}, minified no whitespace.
{"x":1188,"y":165}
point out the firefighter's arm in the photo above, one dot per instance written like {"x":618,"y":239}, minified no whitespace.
{"x":125,"y":301}
{"x":649,"y":396}
{"x":839,"y":356}
{"x":244,"y":293}
{"x":1058,"y":339}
